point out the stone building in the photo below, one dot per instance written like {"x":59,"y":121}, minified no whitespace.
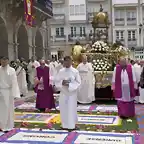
{"x":18,"y":40}
{"x":72,"y":21}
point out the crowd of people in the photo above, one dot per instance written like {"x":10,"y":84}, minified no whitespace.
{"x":76,"y":85}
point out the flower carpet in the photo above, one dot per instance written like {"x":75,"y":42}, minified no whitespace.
{"x":30,"y":106}
{"x":35,"y":136}
{"x":97,"y":124}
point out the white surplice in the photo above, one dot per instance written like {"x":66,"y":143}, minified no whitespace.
{"x":137,"y":69}
{"x":22,"y":83}
{"x":54,"y":63}
{"x":31,"y":70}
{"x":125,"y":84}
{"x":68,"y":96}
{"x":86,"y":89}
{"x":8,"y":91}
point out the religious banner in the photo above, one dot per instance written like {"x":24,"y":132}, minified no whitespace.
{"x":35,"y":136}
{"x":104,"y":138}
{"x":28,"y":4}
{"x":34,"y":117}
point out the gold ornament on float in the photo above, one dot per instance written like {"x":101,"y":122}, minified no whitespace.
{"x":100,"y":16}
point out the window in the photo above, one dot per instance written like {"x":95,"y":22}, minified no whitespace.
{"x":132,"y":35}
{"x":131,"y":15}
{"x":72,"y":12}
{"x":119,"y":35}
{"x":59,"y":31}
{"x":73,"y":31}
{"x":82,"y":9}
{"x":62,"y":31}
{"x":119,"y":15}
{"x":82,"y":31}
{"x":77,"y":11}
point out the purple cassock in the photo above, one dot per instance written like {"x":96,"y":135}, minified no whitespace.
{"x":45,"y":98}
{"x":125,"y":94}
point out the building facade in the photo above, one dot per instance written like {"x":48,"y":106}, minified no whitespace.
{"x":128,"y":20}
{"x":72,"y":21}
{"x":19,"y":40}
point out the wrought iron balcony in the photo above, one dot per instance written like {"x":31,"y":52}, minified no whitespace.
{"x":58,"y":38}
{"x":58,"y":19}
{"x":58,"y":1}
{"x":81,"y":38}
{"x":96,"y":1}
{"x":119,"y":22}
{"x":131,"y":21}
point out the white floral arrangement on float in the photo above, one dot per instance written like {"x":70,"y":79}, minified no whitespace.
{"x":100,"y":46}
{"x":122,"y":48}
{"x":101,"y":64}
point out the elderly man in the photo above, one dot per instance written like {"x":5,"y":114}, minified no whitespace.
{"x":124,"y":85}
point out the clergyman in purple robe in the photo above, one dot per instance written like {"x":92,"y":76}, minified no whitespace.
{"x":125,"y":88}
{"x":44,"y":89}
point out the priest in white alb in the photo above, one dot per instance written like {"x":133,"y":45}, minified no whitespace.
{"x":21,"y":77}
{"x":86,"y":89}
{"x":8,"y":91}
{"x":68,"y":81}
{"x":31,"y":70}
{"x":125,"y":88}
{"x":137,"y":69}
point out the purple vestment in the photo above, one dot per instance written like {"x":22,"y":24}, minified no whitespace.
{"x":125,"y":108}
{"x":118,"y":86}
{"x":45,"y":98}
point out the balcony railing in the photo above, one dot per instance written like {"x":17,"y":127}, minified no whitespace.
{"x":119,"y":22}
{"x":58,"y":19}
{"x":96,"y":1}
{"x":58,"y":1}
{"x":131,"y":21}
{"x":58,"y":38}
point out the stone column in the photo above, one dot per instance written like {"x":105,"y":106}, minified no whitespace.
{"x":11,"y":53}
{"x":30,"y":39}
{"x":48,"y":33}
{"x":16,"y":50}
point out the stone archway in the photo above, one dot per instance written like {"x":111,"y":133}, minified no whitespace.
{"x":3,"y":39}
{"x":22,"y":39}
{"x":39,"y":45}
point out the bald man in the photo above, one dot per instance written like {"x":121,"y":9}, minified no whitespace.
{"x":124,"y":85}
